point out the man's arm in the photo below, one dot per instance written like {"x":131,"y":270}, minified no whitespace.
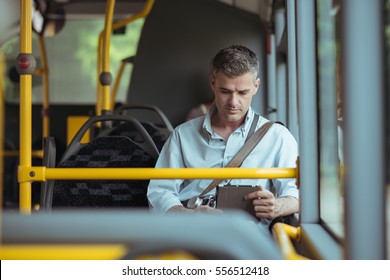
{"x":163,"y":194}
{"x":179,"y":209}
{"x":285,"y":206}
{"x":266,"y":206}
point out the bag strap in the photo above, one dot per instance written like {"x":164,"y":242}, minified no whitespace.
{"x":253,"y":126}
{"x":250,"y":144}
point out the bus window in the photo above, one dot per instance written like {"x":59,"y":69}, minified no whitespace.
{"x":72,"y":62}
{"x":331,"y":194}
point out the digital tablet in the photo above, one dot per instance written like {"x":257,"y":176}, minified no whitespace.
{"x":232,"y":197}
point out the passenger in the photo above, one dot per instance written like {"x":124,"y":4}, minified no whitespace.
{"x":211,"y":141}
{"x":199,"y":110}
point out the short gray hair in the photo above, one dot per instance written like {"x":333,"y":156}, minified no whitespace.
{"x":235,"y":61}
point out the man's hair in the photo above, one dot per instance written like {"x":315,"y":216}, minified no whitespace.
{"x":235,"y":61}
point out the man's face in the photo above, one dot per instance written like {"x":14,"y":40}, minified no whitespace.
{"x":233,"y":96}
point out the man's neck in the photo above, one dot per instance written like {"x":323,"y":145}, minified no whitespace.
{"x":224,"y":127}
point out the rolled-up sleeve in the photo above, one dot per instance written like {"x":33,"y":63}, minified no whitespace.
{"x":164,"y":194}
{"x":287,"y":157}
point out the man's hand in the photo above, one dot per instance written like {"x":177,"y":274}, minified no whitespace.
{"x":266,"y":206}
{"x":263,"y":203}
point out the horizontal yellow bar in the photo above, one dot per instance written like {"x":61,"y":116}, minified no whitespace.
{"x":62,"y":252}
{"x":166,"y":173}
{"x":34,"y":153}
{"x":283,"y":235}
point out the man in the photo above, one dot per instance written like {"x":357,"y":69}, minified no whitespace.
{"x":212,"y":140}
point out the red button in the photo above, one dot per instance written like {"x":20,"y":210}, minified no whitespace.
{"x":24,"y":63}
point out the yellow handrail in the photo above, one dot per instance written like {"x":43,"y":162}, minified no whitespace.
{"x":99,"y":89}
{"x":106,"y":52}
{"x":283,"y":234}
{"x":45,"y":88}
{"x":25,"y":105}
{"x":63,"y":252}
{"x":44,"y":71}
{"x":41,"y":173}
{"x":14,"y":153}
{"x":148,"y":7}
{"x":99,"y":96}
{"x":2,"y":119}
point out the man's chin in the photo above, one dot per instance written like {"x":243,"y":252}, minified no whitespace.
{"x":233,"y":117}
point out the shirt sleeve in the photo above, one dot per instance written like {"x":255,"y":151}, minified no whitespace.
{"x":287,"y":157}
{"x":164,"y":194}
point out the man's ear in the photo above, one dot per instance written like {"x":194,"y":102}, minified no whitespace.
{"x":257,"y":84}
{"x":212,"y":80}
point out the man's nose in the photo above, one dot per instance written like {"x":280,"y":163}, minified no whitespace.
{"x":233,"y":99}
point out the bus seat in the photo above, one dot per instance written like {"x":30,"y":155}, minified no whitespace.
{"x":158,"y":135}
{"x":138,"y":132}
{"x":151,"y":117}
{"x":105,"y":152}
{"x":145,"y":112}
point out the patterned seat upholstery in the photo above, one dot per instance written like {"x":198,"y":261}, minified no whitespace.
{"x":158,"y":135}
{"x":107,"y":151}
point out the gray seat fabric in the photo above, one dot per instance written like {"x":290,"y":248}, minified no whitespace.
{"x":158,"y":135}
{"x":111,"y":152}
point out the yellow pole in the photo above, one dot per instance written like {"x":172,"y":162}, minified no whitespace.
{"x":45,"y":87}
{"x":25,"y":106}
{"x":283,"y":235}
{"x":148,"y":7}
{"x":99,"y":89}
{"x":106,"y":75}
{"x":117,"y":25}
{"x":2,"y":120}
{"x":63,"y":252}
{"x":41,"y":173}
{"x":34,"y":153}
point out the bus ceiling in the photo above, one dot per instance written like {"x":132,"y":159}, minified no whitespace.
{"x":84,"y":9}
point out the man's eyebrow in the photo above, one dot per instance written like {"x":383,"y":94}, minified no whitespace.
{"x":223,"y":88}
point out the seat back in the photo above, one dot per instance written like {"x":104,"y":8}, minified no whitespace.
{"x":105,"y":152}
{"x":151,"y":117}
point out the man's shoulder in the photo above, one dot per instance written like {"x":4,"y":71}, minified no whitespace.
{"x":191,"y":125}
{"x":277,"y":128}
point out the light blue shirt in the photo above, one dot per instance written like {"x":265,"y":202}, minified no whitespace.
{"x":193,"y":144}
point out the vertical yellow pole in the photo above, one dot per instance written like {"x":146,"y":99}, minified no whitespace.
{"x":45,"y":85}
{"x":106,"y":75}
{"x":99,"y":89}
{"x":148,"y":7}
{"x":25,"y":106}
{"x":2,"y":120}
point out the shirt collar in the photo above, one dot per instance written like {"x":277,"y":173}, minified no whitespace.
{"x":244,"y":128}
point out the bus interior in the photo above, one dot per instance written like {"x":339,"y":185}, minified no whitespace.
{"x":79,"y":72}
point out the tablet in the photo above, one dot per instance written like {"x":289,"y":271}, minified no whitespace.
{"x":232,"y":197}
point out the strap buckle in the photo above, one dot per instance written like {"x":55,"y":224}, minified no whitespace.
{"x":197,"y":201}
